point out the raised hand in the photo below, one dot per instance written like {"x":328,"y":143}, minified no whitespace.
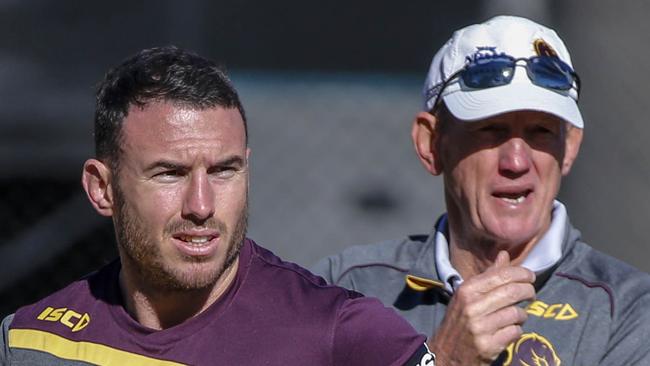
{"x":483,"y":318}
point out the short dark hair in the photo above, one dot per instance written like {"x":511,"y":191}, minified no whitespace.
{"x":167,"y":74}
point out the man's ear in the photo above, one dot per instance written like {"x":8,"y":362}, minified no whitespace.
{"x":96,"y":179}
{"x":425,"y":134}
{"x":573,"y":141}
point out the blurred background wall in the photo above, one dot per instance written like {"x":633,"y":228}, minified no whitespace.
{"x":330,"y":89}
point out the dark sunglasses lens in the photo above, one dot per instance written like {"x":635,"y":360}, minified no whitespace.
{"x":550,"y":72}
{"x":495,"y":72}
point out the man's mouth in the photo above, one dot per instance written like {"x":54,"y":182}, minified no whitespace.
{"x":195,"y":239}
{"x":513,"y":198}
{"x":197,"y":244}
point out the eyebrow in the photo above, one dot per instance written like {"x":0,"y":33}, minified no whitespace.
{"x":168,"y":164}
{"x":231,"y":160}
{"x":162,"y":164}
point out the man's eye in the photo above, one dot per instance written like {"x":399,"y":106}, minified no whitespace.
{"x":224,"y":171}
{"x":542,"y":130}
{"x":168,"y":175}
{"x":492,"y":129}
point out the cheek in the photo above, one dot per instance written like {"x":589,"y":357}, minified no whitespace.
{"x":549,"y":169}
{"x":473,"y":172}
{"x":551,"y":181}
{"x":231,"y":198}
{"x":156,"y":205}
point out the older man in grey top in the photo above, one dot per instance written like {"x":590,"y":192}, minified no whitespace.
{"x":504,"y":279}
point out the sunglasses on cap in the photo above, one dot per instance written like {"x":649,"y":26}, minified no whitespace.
{"x":488,"y":72}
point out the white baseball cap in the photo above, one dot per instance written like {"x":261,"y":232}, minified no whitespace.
{"x":513,"y":36}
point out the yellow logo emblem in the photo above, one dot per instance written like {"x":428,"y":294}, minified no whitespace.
{"x":544,"y":49}
{"x":65,"y":316}
{"x":532,"y":350}
{"x":553,"y":311}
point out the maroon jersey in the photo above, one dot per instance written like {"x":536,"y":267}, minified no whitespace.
{"x":274,"y":313}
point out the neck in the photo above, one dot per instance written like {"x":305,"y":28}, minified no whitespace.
{"x":159,"y":309}
{"x":471,"y":255}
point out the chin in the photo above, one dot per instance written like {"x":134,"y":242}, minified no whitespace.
{"x":192,"y":280}
{"x":514,"y":234}
{"x":516,"y":242}
{"x":201,"y":274}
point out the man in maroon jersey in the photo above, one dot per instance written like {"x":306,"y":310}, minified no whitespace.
{"x":171,"y":169}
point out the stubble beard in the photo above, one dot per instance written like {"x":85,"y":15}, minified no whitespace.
{"x":143,"y":253}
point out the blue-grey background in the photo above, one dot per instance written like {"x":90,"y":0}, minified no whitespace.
{"x":330,"y":89}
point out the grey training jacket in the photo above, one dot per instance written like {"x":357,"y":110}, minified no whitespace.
{"x":591,"y":309}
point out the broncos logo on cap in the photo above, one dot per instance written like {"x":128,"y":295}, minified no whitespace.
{"x":544,"y":49}
{"x":532,"y":350}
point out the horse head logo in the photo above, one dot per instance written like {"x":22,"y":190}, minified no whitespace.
{"x":532,"y":350}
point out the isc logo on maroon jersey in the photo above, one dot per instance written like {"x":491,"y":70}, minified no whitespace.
{"x":65,"y":316}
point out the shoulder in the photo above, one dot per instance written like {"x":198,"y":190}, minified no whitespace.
{"x":592,"y":267}
{"x":46,"y":321}
{"x":625,"y":286}
{"x":68,"y":305}
{"x":391,"y":256}
{"x":270,"y":274}
{"x":616,"y":296}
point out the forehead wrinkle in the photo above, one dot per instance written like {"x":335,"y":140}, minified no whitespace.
{"x":171,"y":132}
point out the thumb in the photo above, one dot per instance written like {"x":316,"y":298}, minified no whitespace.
{"x":502,"y":260}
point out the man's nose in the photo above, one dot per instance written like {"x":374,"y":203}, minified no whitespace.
{"x":199,"y":200}
{"x":514,"y":157}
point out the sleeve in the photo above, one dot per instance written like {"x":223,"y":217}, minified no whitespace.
{"x":367,"y":333}
{"x":629,"y":342}
{"x":4,"y":340}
